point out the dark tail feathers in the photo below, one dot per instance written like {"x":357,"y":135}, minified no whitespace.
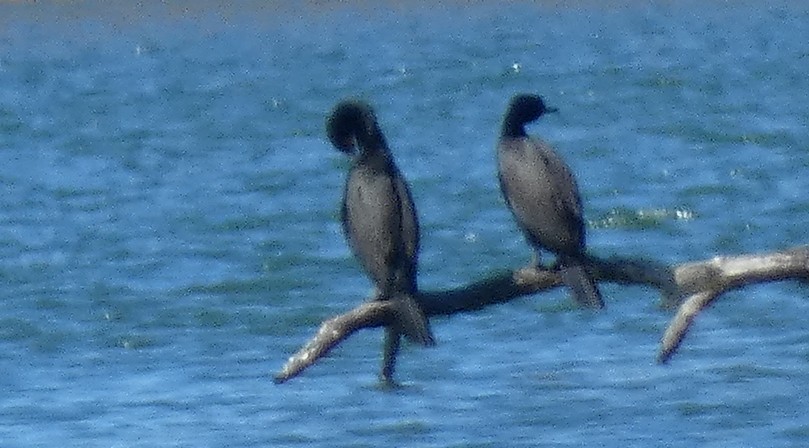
{"x":411,"y":321}
{"x":581,"y":283}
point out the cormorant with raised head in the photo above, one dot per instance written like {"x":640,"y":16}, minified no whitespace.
{"x":542,"y":194}
{"x":379,"y":218}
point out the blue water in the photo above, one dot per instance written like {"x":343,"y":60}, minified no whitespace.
{"x":169,"y":232}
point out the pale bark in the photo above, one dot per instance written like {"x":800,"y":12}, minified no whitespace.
{"x":690,"y":286}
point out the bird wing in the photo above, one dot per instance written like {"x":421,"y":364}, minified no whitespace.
{"x":565,"y":192}
{"x":381,"y":225}
{"x":541,"y":192}
{"x":410,"y":234}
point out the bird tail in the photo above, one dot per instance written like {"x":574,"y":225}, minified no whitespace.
{"x":582,"y":284}
{"x":411,"y":320}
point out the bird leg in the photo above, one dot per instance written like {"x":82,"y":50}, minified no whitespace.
{"x":536,"y":262}
{"x":392,"y":342}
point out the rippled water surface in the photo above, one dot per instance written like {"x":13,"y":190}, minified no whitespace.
{"x":169,"y":233}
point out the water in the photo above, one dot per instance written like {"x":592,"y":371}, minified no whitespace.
{"x":169,"y":235}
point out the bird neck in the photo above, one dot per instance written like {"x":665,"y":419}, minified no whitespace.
{"x":372,"y":145}
{"x":371,"y":138}
{"x":513,"y":128}
{"x":376,"y":158}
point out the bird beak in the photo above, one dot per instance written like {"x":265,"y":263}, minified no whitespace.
{"x":550,"y":110}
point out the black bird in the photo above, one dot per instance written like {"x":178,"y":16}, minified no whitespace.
{"x":379,"y":218}
{"x":542,"y":194}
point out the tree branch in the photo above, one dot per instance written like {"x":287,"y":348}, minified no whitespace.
{"x":702,"y":282}
{"x":681,"y":322}
{"x":706,"y":281}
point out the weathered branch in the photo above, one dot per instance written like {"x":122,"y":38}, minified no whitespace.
{"x":679,"y":325}
{"x":702,"y":282}
{"x":705,"y":281}
{"x":332,"y":332}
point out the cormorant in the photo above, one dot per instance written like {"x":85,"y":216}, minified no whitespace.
{"x":379,"y":218}
{"x":542,"y":194}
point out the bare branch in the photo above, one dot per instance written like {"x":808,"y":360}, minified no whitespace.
{"x":332,"y":332}
{"x":681,"y":322}
{"x":707,"y":280}
{"x":499,"y":288}
{"x":702,"y":282}
{"x":726,"y":273}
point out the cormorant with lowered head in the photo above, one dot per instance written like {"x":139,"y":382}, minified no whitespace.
{"x":379,"y":218}
{"x":542,"y":194}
